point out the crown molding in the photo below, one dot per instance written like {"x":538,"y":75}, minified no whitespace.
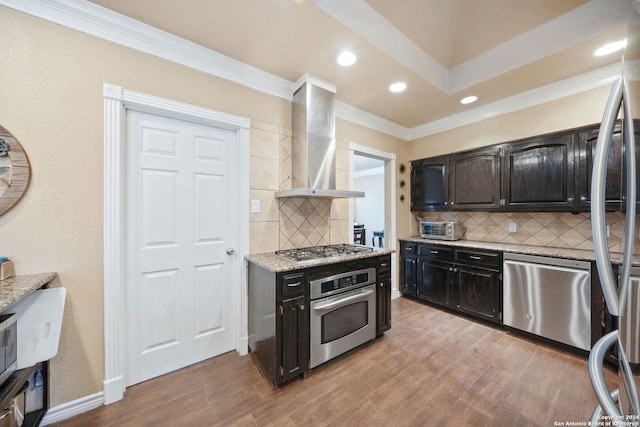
{"x":356,"y":115}
{"x":103,"y":23}
{"x":551,"y":92}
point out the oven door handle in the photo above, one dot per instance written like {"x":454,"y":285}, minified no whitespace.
{"x":343,"y":302}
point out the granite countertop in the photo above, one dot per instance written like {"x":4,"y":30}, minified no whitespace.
{"x":14,"y":289}
{"x":277,"y":264}
{"x":576,"y":254}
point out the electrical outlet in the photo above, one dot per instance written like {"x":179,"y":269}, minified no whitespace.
{"x":512,"y":227}
{"x":255,"y":206}
{"x":608,"y":231}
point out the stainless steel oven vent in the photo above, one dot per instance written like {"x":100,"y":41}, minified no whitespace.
{"x":314,"y":142}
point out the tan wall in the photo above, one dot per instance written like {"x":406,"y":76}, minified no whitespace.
{"x":51,"y":101}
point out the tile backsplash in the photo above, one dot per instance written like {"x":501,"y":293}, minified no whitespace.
{"x":304,"y":222}
{"x":552,"y":229}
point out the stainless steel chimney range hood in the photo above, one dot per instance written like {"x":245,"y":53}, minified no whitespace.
{"x":314,"y":142}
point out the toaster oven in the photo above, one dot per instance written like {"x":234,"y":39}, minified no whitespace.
{"x":452,"y":230}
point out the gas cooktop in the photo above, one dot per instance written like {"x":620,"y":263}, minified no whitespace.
{"x":319,"y":252}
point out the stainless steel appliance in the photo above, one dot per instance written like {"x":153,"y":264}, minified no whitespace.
{"x":313,"y":145}
{"x":441,"y":230}
{"x":343,"y":313}
{"x":319,"y":252}
{"x":8,"y":345}
{"x":619,"y":406}
{"x":549,"y":297}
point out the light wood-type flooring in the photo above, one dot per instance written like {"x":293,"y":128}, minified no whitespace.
{"x":432,"y":368}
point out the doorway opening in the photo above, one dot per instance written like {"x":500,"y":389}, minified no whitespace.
{"x":368,"y":211}
{"x":374,"y":172}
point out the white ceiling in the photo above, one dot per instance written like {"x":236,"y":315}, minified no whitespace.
{"x":498,"y":50}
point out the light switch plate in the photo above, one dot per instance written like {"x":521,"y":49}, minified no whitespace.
{"x":255,"y":206}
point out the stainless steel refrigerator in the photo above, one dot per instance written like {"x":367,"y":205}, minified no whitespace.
{"x":618,"y":406}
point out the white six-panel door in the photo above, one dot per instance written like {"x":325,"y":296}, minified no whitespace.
{"x":181,"y":222}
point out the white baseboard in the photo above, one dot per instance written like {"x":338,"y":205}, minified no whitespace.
{"x":243,"y":346}
{"x":73,"y":408}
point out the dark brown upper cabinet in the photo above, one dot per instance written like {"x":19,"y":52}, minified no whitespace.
{"x":429,"y":184}
{"x":539,"y":174}
{"x":587,"y":140}
{"x":474,"y":179}
{"x":545,"y":173}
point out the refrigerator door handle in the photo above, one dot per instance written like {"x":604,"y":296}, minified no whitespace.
{"x":596,"y":373}
{"x":598,"y":413}
{"x":616,"y":298}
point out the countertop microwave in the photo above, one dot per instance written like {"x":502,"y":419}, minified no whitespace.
{"x":452,"y":230}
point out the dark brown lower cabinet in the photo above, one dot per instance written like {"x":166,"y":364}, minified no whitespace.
{"x":465,"y":280}
{"x":383,"y":295}
{"x":295,"y":337}
{"x":278,"y":322}
{"x":477,"y":292}
{"x":434,"y":280}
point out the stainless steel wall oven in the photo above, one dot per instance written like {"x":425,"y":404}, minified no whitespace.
{"x":343,"y":313}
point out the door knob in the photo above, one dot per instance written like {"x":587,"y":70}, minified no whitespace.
{"x":231,"y":251}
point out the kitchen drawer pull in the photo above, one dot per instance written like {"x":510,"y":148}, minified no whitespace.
{"x":478,"y":258}
{"x":291,"y":285}
{"x":434,"y":252}
{"x":384,"y":264}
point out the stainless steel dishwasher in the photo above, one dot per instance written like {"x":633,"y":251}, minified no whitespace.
{"x":549,"y":297}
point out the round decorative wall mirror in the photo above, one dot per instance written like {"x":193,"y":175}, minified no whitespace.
{"x":14,"y":171}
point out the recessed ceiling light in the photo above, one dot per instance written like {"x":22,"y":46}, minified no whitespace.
{"x":611,"y":47}
{"x":398,"y":87}
{"x":468,"y":99}
{"x":346,"y":59}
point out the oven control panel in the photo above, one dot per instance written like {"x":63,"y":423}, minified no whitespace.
{"x":342,"y":282}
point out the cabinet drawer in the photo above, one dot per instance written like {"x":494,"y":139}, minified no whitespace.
{"x":408,"y":248}
{"x":440,"y":252}
{"x":292,"y":284}
{"x":491,"y":259}
{"x":384,"y":265}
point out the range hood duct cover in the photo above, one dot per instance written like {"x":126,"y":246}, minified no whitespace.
{"x":314,"y":143}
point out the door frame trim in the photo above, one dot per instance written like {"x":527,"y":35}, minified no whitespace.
{"x":389,"y":196}
{"x":116,"y":101}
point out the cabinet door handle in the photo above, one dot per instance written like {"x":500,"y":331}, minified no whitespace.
{"x":583,"y":198}
{"x":570,"y":199}
{"x":302,"y":307}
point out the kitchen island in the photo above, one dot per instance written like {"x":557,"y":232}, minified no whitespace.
{"x":303,"y":313}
